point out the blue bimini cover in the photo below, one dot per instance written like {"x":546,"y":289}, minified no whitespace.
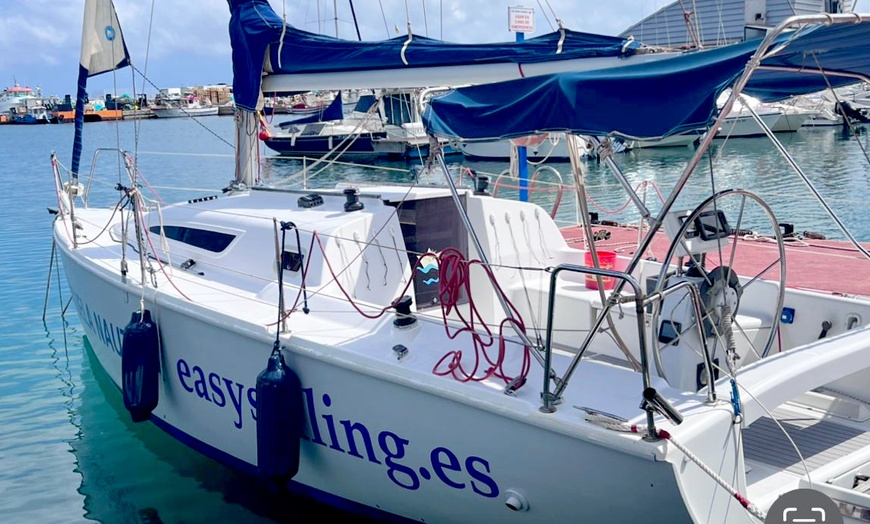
{"x":254,"y":28}
{"x":835,"y":49}
{"x":654,"y":99}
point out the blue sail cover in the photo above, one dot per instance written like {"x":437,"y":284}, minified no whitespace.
{"x":305,"y":52}
{"x":333,"y":111}
{"x":254,"y":26}
{"x":835,"y":49}
{"x":649,"y":100}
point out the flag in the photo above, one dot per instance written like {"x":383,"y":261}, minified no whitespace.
{"x":103,"y":49}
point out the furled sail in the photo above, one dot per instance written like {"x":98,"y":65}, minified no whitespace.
{"x":103,"y":49}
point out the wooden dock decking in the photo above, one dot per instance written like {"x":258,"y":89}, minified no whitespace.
{"x":820,"y":265}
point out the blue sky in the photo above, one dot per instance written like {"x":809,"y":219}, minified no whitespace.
{"x":189,"y":42}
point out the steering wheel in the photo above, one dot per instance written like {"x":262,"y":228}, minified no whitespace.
{"x":722,"y":292}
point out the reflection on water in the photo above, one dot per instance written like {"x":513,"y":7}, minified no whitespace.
{"x":137,"y":473}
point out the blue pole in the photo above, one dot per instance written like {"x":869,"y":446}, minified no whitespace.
{"x":522,"y":156}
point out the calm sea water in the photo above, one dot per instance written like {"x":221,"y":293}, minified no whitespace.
{"x":68,"y":452}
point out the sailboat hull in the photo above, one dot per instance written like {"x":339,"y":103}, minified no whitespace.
{"x":369,"y":439}
{"x":360,"y":145}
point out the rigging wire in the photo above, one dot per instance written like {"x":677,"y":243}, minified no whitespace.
{"x":355,"y":23}
{"x":117,"y":122}
{"x":195,"y":119}
{"x":138,"y":124}
{"x":425,"y":18}
{"x":339,"y":149}
{"x":846,"y":119}
{"x":384,"y":15}
{"x":555,"y":16}
{"x":546,"y":17}
{"x":773,"y":418}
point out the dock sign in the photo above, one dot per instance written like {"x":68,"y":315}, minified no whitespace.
{"x":521,"y":19}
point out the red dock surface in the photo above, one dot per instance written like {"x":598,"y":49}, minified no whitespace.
{"x":821,"y":265}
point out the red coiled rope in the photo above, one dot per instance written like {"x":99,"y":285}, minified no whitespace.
{"x":453,"y":284}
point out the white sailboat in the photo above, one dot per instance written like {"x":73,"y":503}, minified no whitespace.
{"x":386,"y":124}
{"x":439,"y":355}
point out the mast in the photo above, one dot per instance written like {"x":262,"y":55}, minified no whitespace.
{"x":247,"y":148}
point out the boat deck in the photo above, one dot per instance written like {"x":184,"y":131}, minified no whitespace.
{"x":820,"y":441}
{"x":820,"y":265}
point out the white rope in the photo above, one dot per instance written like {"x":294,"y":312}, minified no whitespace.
{"x":758,"y":237}
{"x":618,"y":425}
{"x":407,"y":43}
{"x":283,"y":31}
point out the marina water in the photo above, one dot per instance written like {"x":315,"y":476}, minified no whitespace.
{"x":68,"y":451}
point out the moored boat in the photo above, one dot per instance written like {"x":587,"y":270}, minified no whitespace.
{"x":17,"y":96}
{"x":31,"y":114}
{"x":184,"y":107}
{"x":432,"y":353}
{"x":383,"y":125}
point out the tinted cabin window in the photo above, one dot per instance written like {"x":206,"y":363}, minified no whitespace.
{"x":209,"y":240}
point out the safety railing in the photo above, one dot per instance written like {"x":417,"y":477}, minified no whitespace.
{"x":652,"y":401}
{"x":97,"y":153}
{"x":559,"y":188}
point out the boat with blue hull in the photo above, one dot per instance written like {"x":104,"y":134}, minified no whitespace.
{"x":30,"y":115}
{"x":385,"y":125}
{"x":318,"y":139}
{"x":431,"y":353}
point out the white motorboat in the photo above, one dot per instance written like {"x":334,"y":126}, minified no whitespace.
{"x":688,"y":138}
{"x":825,"y":110}
{"x":779,"y":118}
{"x":549,"y":146}
{"x":17,"y":96}
{"x":436,"y":354}
{"x":188,"y":106}
{"x":552,"y":146}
